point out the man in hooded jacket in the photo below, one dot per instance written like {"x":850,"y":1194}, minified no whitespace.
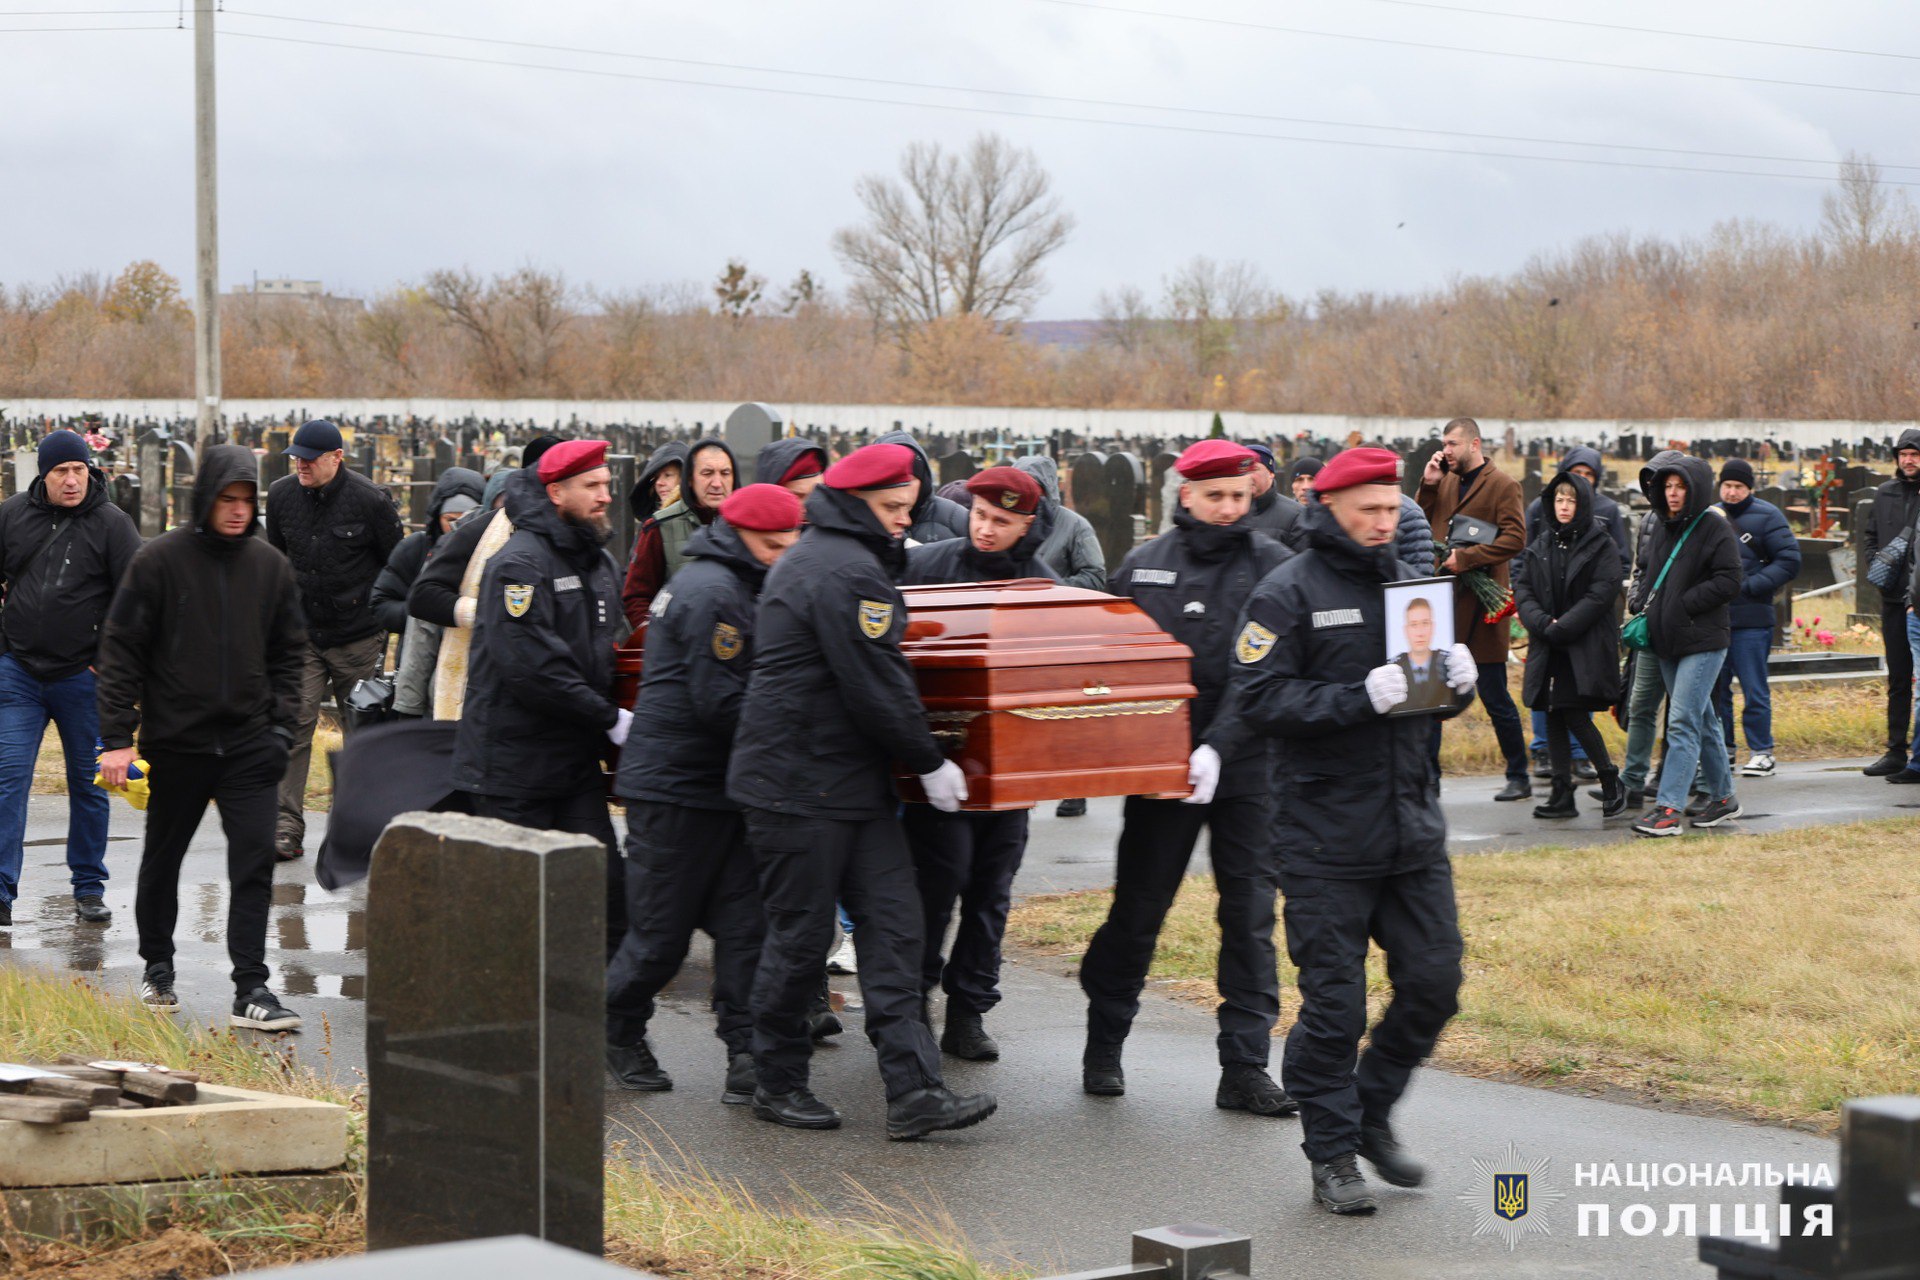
{"x":1896,"y":509}
{"x":63,"y":548}
{"x":435,"y":594}
{"x":1072,"y":548}
{"x":831,"y":705}
{"x":688,"y":865}
{"x":1192,"y":582}
{"x":455,"y":493}
{"x":972,"y":858}
{"x":202,"y":659}
{"x":659,"y":551}
{"x":539,"y":703}
{"x":935,"y":518}
{"x":792,"y":462}
{"x":1360,"y":837}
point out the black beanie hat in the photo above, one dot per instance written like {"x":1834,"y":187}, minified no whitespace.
{"x":63,"y":446}
{"x":1738,"y":469}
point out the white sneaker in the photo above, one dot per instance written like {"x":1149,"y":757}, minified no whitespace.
{"x":1761,"y":766}
{"x":842,"y":961}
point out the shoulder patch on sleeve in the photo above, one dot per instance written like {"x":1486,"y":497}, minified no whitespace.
{"x":727,"y":641}
{"x":1254,"y":643}
{"x":519,"y":598}
{"x":876,"y":616}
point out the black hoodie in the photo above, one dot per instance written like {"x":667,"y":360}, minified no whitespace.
{"x":540,"y":678}
{"x":1688,"y":614}
{"x":832,"y":702}
{"x":58,"y":569}
{"x":934,"y":518}
{"x":700,"y":650}
{"x":204,"y":644}
{"x":781,"y":454}
{"x":1896,"y":506}
{"x":643,"y":500}
{"x":403,"y":566}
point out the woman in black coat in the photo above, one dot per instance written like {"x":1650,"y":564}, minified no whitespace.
{"x":1566,"y":586}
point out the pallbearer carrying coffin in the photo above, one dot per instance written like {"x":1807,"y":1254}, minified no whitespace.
{"x":1192,"y":582}
{"x":687,"y":862}
{"x":971,"y":858}
{"x":831,"y":704}
{"x":1362,"y":843}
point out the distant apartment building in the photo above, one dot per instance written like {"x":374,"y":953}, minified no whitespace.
{"x":283,"y":292}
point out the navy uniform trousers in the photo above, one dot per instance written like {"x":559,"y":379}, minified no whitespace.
{"x":687,"y":869}
{"x":1329,"y":923}
{"x":969,"y":858}
{"x":1156,"y":844}
{"x":806,"y":865}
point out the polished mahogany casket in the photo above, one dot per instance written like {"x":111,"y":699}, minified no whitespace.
{"x":1045,"y":692}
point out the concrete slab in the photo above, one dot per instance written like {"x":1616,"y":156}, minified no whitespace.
{"x":74,"y":1213}
{"x":226,"y":1131}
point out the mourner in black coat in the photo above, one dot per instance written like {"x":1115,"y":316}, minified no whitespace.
{"x":1565,"y":586}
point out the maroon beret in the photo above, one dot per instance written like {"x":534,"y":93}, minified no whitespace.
{"x":570,"y":458}
{"x":873,"y":466}
{"x":765,"y":508}
{"x":807,"y":464}
{"x":1215,"y":460}
{"x":1008,"y":488}
{"x":1356,"y":467}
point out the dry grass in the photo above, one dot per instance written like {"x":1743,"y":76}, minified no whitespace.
{"x":1813,"y":720}
{"x":667,"y":1216}
{"x":1773,"y":976}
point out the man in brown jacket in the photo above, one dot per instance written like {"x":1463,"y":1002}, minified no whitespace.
{"x":1459,"y":481}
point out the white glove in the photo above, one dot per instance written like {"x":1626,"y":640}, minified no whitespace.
{"x":946,"y":787}
{"x":1386,"y":688}
{"x":1203,"y":774}
{"x":618,"y":734}
{"x":464,"y":610}
{"x":1463,"y":673}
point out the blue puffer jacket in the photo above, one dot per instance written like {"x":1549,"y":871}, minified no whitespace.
{"x":1413,"y":545}
{"x":1769,"y":559}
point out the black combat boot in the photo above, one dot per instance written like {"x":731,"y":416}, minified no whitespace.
{"x":966,"y":1037}
{"x":1388,"y":1158}
{"x":822,"y":1021}
{"x":1076,"y":808}
{"x":1341,"y":1187}
{"x":1541,"y":769}
{"x":1100,"y":1072}
{"x":1244,"y":1087}
{"x":1559,"y":801}
{"x":796,"y":1110}
{"x":917,"y":1114}
{"x":1516,"y":789}
{"x":741,"y":1079}
{"x":635,"y":1067}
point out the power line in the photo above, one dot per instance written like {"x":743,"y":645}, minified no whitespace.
{"x":7,"y":31}
{"x":1045,"y":97}
{"x":1035,"y":115}
{"x":1489,"y":53}
{"x":80,"y":13}
{"x":1648,"y":31}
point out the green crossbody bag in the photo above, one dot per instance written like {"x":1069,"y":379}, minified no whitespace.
{"x":1636,"y":633}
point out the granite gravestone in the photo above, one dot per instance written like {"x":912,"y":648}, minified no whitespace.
{"x":1126,"y":498}
{"x":485,"y":1000}
{"x":958,"y":465}
{"x":751,"y":428}
{"x":620,"y":510}
{"x":151,"y":453}
{"x":1416,"y":466}
{"x":1087,"y":479}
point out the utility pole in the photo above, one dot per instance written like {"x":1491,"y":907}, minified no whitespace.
{"x":206,"y":318}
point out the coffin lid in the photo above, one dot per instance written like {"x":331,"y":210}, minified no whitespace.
{"x":1028,"y":622}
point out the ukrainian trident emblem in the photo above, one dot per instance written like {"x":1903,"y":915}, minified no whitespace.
{"x":1510,"y":1195}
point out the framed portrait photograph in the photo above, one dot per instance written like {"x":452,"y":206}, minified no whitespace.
{"x":1419,"y":636}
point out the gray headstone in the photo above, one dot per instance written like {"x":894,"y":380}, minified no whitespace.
{"x":625,"y":470}
{"x":1417,"y":464}
{"x":485,"y":1005}
{"x":274,"y":464}
{"x":444,"y":456}
{"x":151,"y":452}
{"x":751,"y":428}
{"x":1866,"y":596}
{"x":1087,"y":479}
{"x":508,"y":1258}
{"x":958,"y":465}
{"x":420,"y":492}
{"x":1126,"y":498}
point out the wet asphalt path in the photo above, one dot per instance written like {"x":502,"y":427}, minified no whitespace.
{"x":1058,"y":1179}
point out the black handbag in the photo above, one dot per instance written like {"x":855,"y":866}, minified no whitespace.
{"x":1465,"y":531}
{"x":371,"y":701}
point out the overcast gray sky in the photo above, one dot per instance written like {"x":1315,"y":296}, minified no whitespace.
{"x":364,"y":168}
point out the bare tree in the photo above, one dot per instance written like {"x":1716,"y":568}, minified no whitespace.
{"x":1213,"y":302}
{"x":956,"y":234}
{"x":1125,"y":318}
{"x":514,"y":322}
{"x":1865,"y":211}
{"x":738,"y":290}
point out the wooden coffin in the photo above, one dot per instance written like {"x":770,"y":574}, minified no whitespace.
{"x":1045,"y":692}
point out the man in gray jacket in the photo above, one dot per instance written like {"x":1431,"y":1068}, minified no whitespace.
{"x":1072,"y":550}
